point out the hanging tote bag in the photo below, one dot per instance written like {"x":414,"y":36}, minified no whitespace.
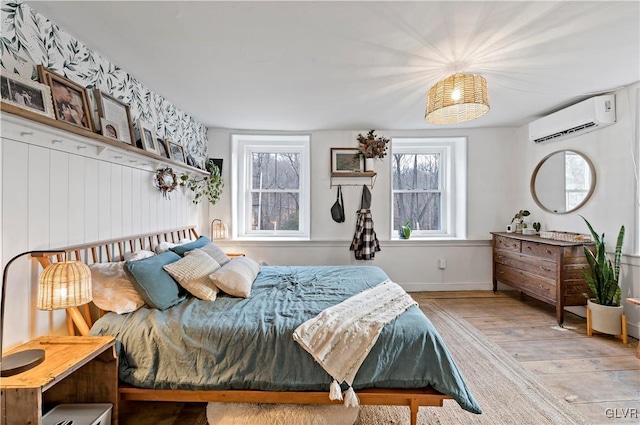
{"x":337,"y":209}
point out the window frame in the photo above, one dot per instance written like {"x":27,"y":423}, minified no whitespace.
{"x":243,"y":147}
{"x":453,"y":184}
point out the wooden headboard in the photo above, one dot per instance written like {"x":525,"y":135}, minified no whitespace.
{"x":108,"y":251}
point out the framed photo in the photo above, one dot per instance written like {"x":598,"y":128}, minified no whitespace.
{"x":346,"y":160}
{"x":148,"y":137}
{"x":162,"y":148}
{"x":109,"y":129}
{"x":176,"y":152}
{"x":70,"y":100}
{"x":116,"y":111}
{"x":26,"y":94}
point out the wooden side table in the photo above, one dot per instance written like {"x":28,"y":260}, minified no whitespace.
{"x":75,"y":370}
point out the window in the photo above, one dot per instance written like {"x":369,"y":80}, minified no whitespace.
{"x":429,"y":186}
{"x":271,"y":197}
{"x":577,"y":180}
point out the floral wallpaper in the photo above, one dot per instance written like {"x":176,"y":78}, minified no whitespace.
{"x":28,"y":38}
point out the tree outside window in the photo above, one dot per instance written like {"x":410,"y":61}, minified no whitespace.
{"x":428,"y":186}
{"x":271,"y":175}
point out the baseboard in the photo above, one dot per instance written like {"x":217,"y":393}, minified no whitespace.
{"x":457,"y":286}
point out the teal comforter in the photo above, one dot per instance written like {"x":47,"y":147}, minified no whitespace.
{"x":236,"y":343}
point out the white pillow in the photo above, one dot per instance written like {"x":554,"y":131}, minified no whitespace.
{"x":192,"y":273}
{"x":112,"y":288}
{"x":165,"y":246}
{"x":138,"y":255}
{"x":215,"y":252}
{"x":236,"y":277}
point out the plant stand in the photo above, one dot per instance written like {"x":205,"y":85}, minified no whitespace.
{"x":635,"y":301}
{"x":622,"y":336}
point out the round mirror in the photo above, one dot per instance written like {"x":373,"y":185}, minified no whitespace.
{"x":563,"y":181}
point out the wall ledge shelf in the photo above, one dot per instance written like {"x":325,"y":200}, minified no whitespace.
{"x":29,"y":127}
{"x":347,"y":178}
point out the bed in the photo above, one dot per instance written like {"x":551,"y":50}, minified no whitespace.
{"x":242,"y":350}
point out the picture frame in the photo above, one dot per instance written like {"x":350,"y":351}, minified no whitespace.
{"x":109,"y":129}
{"x":26,"y":94}
{"x":70,"y":100}
{"x":163,"y":150}
{"x":148,"y":137}
{"x":114,"y":110}
{"x":346,"y":160}
{"x":176,"y":152}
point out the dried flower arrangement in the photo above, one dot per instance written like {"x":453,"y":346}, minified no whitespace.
{"x":372,"y":146}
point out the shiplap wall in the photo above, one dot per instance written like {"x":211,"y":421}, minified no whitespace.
{"x":52,"y":198}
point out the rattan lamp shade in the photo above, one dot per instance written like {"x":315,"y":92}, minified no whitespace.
{"x":218,"y":229}
{"x":457,"y":98}
{"x":63,"y":285}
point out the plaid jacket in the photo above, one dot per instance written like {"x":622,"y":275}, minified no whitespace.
{"x":365,"y":243}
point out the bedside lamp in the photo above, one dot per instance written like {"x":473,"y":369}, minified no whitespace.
{"x":218,"y":229}
{"x":65,"y":284}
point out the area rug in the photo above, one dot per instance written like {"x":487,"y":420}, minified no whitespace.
{"x":506,"y":391}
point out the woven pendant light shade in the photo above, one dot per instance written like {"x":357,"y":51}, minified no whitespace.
{"x":457,"y":98}
{"x":63,"y":285}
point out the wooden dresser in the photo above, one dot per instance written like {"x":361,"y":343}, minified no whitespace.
{"x":546,"y":269}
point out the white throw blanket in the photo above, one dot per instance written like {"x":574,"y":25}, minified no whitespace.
{"x":341,"y":337}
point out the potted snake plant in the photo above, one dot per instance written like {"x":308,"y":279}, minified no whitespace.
{"x":603,"y":278}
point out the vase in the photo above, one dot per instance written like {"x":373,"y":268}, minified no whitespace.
{"x":368,"y":164}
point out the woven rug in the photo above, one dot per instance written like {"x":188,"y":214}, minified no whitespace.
{"x":506,"y":391}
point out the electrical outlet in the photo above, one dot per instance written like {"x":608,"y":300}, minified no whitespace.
{"x":442,"y":263}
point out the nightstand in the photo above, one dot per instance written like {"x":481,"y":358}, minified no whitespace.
{"x":76,"y":369}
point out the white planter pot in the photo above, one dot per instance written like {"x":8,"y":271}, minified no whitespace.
{"x":368,"y":164}
{"x":606,"y":319}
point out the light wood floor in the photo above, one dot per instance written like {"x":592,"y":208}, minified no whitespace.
{"x":599,"y":375}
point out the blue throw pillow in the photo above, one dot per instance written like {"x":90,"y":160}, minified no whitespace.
{"x":155,"y":285}
{"x":198,"y":243}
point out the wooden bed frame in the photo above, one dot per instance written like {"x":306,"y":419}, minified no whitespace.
{"x":81,"y":319}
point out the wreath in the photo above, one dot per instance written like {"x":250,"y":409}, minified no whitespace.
{"x":166,"y":181}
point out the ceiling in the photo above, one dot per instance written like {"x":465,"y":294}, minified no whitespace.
{"x":319,"y":65}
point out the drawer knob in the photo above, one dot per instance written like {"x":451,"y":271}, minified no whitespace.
{"x":549,"y":252}
{"x":26,"y":133}
{"x":54,"y":141}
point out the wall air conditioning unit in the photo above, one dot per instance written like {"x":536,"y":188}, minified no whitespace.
{"x":583,"y":117}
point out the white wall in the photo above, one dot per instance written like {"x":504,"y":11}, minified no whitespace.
{"x":56,"y":195}
{"x":411,"y":263}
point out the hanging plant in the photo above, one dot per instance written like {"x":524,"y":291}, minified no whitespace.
{"x":166,"y":181}
{"x":209,"y":187}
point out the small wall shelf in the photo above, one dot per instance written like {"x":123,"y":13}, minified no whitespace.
{"x":347,"y":179}
{"x":65,"y":138}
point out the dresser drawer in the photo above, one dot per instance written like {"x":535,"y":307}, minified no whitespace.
{"x":507,"y":243}
{"x":526,"y":282}
{"x":534,"y":265}
{"x":539,"y":250}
